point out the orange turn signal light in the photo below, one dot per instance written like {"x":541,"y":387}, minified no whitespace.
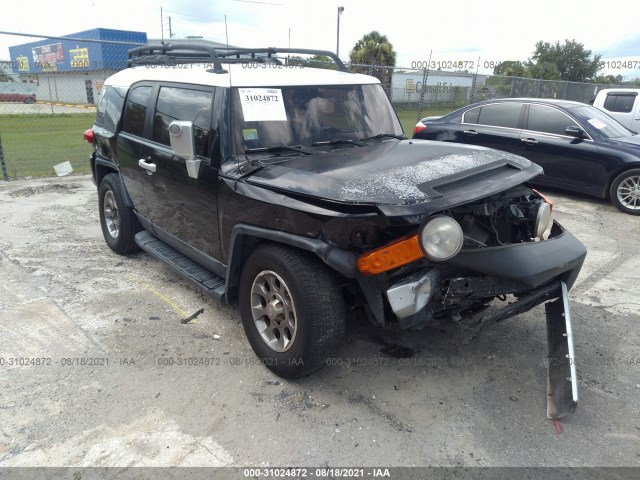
{"x":390,"y":256}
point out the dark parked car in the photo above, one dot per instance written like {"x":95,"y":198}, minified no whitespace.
{"x":17,"y":97}
{"x":293,"y":192}
{"x":580,"y":148}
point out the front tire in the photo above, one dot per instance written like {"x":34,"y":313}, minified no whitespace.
{"x":625,"y":192}
{"x":119,"y":223}
{"x":292,"y":310}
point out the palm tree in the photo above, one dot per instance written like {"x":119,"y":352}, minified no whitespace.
{"x":373,"y":49}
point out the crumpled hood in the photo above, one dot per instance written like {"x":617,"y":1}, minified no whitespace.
{"x":392,"y":172}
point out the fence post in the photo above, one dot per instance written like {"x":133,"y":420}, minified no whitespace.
{"x":5,"y":175}
{"x":425,"y":75}
{"x":473,"y":87}
{"x":50,"y":94}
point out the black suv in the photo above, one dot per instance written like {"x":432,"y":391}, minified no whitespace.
{"x":293,"y":192}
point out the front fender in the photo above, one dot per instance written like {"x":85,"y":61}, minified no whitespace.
{"x":244,"y":237}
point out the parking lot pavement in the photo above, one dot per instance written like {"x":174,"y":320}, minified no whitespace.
{"x":98,"y":370}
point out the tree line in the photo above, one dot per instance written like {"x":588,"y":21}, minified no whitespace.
{"x":568,"y":61}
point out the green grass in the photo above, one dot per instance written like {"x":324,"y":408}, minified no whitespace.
{"x":33,"y":144}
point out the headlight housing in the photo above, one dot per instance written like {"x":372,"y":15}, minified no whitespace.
{"x":441,"y":238}
{"x":543,"y":218}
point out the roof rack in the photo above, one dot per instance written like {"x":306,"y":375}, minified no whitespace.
{"x":178,"y":53}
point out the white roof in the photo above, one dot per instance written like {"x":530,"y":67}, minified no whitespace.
{"x":239,"y":75}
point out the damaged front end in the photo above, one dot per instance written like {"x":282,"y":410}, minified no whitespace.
{"x":482,"y":263}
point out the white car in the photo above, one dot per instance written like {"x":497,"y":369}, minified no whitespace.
{"x":623,"y":104}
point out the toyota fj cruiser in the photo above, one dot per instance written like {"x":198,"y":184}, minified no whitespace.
{"x":293,"y":192}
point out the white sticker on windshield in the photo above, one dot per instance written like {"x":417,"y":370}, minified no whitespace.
{"x":597,"y":123}
{"x":262,"y":104}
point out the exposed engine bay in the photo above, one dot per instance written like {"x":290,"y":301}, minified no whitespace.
{"x":464,"y":284}
{"x":516,"y":215}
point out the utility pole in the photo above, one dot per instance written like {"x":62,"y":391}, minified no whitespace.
{"x":340,"y":10}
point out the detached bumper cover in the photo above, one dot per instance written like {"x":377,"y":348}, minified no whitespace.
{"x":531,"y":264}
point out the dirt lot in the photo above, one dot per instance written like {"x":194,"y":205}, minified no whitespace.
{"x":102,"y":340}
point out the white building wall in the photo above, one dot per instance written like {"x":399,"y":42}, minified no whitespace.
{"x":71,"y":88}
{"x":440,"y":87}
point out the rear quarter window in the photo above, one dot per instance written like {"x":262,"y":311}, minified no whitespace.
{"x":136,"y":110}
{"x":471,"y":116}
{"x":109,"y":109}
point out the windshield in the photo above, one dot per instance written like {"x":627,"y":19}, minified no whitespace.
{"x":303,"y":116}
{"x":607,"y":126}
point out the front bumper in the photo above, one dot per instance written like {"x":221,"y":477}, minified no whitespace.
{"x":517,"y":268}
{"x":531,"y":264}
{"x":537,"y":272}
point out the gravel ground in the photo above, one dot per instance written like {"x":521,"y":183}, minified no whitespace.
{"x":107,"y":388}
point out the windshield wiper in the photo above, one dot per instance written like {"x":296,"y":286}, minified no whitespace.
{"x":384,"y":135}
{"x":278,"y":148}
{"x":336,"y":141}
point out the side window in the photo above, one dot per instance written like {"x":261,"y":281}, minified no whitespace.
{"x":136,"y":110}
{"x":620,"y":102}
{"x":471,"y":116}
{"x":176,"y":103}
{"x":548,"y":120}
{"x":500,"y":115}
{"x":110,"y":107}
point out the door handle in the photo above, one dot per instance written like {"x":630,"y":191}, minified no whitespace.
{"x":529,"y":141}
{"x":147,"y":165}
{"x":470,"y":132}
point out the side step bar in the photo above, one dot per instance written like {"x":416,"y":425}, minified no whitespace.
{"x":201,"y":277}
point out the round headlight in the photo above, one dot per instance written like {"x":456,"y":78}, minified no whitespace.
{"x":441,"y":238}
{"x":543,"y":218}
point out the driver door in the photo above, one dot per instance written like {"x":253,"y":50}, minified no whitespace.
{"x":183,"y":210}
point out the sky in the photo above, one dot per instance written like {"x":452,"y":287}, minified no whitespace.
{"x":473,"y":32}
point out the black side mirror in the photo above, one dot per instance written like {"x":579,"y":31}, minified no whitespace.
{"x":574,"y":131}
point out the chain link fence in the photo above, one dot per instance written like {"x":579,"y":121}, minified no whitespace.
{"x":49,"y":89}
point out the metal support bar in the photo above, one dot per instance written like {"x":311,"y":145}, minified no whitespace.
{"x":562,"y":380}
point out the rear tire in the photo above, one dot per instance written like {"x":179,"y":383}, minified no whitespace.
{"x":625,"y":192}
{"x":292,"y":310}
{"x":119,"y":223}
